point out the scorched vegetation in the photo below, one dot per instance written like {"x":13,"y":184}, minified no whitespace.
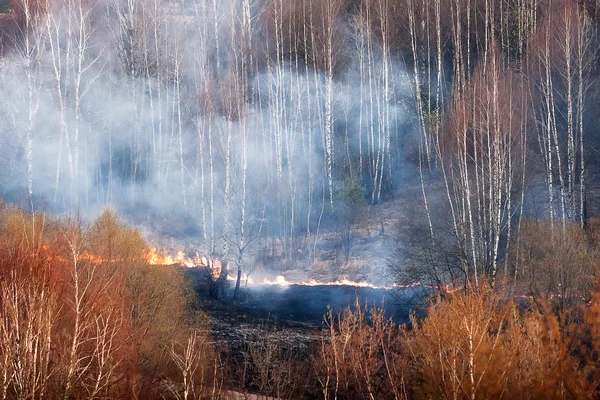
{"x":448,"y":147}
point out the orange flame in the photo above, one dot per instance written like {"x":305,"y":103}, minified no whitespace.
{"x":85,"y":256}
{"x":281,"y":281}
{"x":215,"y":267}
{"x":154,"y":257}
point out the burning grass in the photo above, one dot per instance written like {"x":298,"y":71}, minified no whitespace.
{"x":96,"y":315}
{"x":103,"y":315}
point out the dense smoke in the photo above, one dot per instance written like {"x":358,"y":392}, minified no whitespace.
{"x":244,"y":119}
{"x":272,"y":124}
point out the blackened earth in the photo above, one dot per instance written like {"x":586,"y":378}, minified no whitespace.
{"x":290,"y":316}
{"x":298,"y":306}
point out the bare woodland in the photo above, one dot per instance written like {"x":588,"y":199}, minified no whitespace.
{"x":274,"y":123}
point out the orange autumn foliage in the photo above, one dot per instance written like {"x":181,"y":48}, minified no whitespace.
{"x":100,"y":328}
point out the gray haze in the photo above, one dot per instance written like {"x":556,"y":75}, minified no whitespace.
{"x":195,"y":121}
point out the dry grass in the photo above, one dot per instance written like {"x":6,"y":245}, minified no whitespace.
{"x":84,"y":316}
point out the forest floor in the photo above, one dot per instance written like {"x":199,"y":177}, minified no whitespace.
{"x":377,"y":231}
{"x":291,"y":315}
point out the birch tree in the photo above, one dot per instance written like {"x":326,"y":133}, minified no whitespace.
{"x":29,"y":46}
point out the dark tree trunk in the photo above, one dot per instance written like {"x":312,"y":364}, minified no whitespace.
{"x":236,"y":292}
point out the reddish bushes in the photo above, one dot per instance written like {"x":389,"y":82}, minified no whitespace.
{"x":470,"y":346}
{"x":84,"y":316}
{"x":478,"y":346}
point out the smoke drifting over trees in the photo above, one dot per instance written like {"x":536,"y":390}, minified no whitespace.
{"x":239,"y":113}
{"x":464,"y":131}
{"x":256,"y":118}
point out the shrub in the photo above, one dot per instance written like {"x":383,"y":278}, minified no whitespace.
{"x":97,"y":320}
